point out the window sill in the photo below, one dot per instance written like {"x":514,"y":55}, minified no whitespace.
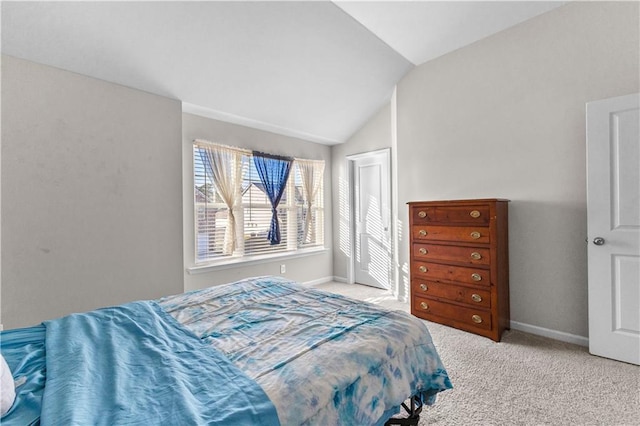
{"x":253,"y":260}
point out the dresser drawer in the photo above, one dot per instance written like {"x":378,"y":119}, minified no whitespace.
{"x":465,"y":234}
{"x":456,"y":293}
{"x":461,"y":274}
{"x":435,"y":252}
{"x":455,"y":215}
{"x":425,"y":307}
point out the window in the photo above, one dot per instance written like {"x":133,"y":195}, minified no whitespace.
{"x":233,"y":211}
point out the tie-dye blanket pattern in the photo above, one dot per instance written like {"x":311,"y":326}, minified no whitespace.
{"x":321,"y":358}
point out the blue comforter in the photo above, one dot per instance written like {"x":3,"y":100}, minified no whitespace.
{"x":133,"y":364}
{"x":259,"y":351}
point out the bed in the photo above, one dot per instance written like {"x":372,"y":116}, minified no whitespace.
{"x":260,"y":351}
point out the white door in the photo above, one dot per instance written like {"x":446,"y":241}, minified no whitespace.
{"x":613,"y":196}
{"x":371,"y":217}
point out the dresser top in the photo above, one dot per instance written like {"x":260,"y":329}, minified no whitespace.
{"x":466,"y":201}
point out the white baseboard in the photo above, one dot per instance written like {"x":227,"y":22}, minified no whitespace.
{"x":552,"y":334}
{"x":340,"y":279}
{"x":316,"y":282}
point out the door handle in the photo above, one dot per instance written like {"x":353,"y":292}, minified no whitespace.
{"x":598,"y":241}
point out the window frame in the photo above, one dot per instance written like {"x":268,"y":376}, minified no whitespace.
{"x":295,"y":248}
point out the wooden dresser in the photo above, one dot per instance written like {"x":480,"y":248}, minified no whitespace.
{"x":460,"y":264}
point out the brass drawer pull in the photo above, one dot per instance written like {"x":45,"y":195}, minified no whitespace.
{"x":476,"y":277}
{"x":474,"y":214}
{"x":476,"y":256}
{"x":424,"y":306}
{"x":423,"y":250}
{"x":424,"y":287}
{"x":422,"y":233}
{"x":423,"y":269}
{"x":476,"y":298}
{"x":475,"y":235}
{"x":477,"y":319}
{"x":422,"y":213}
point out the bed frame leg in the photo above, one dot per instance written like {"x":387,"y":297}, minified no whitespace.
{"x":414,"y":410}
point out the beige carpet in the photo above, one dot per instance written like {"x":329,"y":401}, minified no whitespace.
{"x":522,"y":380}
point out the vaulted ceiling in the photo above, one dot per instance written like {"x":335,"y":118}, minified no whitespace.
{"x":317,"y":70}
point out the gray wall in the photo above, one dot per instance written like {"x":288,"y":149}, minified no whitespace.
{"x":91,"y":194}
{"x":505,"y":117}
{"x":308,"y":269}
{"x":375,"y":135}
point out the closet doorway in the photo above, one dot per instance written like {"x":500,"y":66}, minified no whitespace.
{"x":370,"y":207}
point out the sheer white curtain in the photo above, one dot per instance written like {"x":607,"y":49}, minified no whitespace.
{"x":311,"y":173}
{"x":225,"y":167}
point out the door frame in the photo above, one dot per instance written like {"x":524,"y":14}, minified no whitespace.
{"x":351,"y":160}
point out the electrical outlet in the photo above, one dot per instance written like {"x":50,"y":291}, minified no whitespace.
{"x":283,"y":268}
